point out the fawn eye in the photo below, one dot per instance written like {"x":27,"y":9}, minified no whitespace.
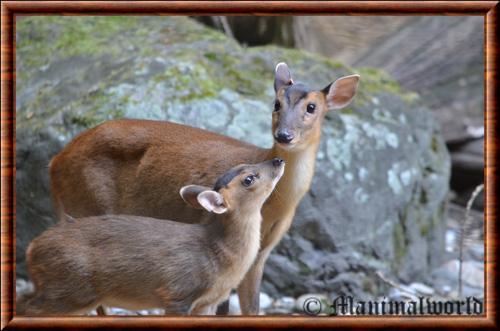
{"x":277,"y":105}
{"x":248,"y":180}
{"x":311,"y":108}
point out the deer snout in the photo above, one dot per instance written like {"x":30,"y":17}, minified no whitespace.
{"x":278,"y":168}
{"x":284,"y":136}
{"x":277,"y":162}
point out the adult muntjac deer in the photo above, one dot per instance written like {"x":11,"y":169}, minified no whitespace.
{"x":138,"y":262}
{"x":137,"y":166}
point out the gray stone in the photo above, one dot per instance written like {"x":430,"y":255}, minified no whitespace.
{"x":347,"y":284}
{"x":476,"y":251}
{"x":422,"y":288}
{"x":286,"y":303}
{"x":23,"y":287}
{"x":445,"y":278}
{"x":277,"y":311}
{"x":265,"y":301}
{"x":234,"y":305}
{"x":317,"y":302}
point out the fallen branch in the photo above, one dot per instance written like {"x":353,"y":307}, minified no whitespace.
{"x":394,"y":284}
{"x":465,"y":222}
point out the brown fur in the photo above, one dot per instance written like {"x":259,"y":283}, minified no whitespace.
{"x":137,"y":262}
{"x":137,"y":166}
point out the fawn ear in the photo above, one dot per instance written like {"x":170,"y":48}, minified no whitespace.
{"x":212,"y":201}
{"x":341,"y":92}
{"x":282,"y":76}
{"x":190,"y":193}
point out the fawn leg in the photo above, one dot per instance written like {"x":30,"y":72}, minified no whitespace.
{"x":249,"y":288}
{"x":43,"y":305}
{"x":100,"y":311}
{"x":201,"y":310}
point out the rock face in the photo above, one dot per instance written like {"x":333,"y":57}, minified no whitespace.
{"x":378,"y":197}
{"x":439,"y":57}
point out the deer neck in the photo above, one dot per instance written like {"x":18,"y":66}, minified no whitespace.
{"x":299,"y":171}
{"x":237,"y":234}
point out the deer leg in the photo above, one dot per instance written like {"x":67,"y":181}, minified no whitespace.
{"x":43,"y":305}
{"x":206,"y":309}
{"x":213,"y":310}
{"x":100,"y":311}
{"x":249,"y":288}
{"x":22,"y":302}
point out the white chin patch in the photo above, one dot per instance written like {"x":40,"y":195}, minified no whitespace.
{"x":287,"y":146}
{"x":282,"y":171}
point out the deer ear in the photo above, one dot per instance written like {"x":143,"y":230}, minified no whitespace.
{"x":190,"y":193}
{"x":212,"y":201}
{"x":282,"y":76}
{"x":341,"y":92}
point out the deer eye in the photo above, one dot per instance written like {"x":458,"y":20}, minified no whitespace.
{"x":311,"y":108}
{"x":248,"y":180}
{"x":277,"y":105}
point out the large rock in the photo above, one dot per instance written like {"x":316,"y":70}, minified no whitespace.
{"x":378,"y":196}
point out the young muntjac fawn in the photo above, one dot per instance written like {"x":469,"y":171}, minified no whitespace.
{"x":136,"y":166}
{"x":137,"y":262}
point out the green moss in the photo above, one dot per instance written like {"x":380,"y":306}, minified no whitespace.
{"x":52,"y":37}
{"x":303,"y":268}
{"x":425,"y":228}
{"x":83,"y":121}
{"x":434,"y":144}
{"x":439,"y":215}
{"x":95,"y":108}
{"x":375,"y":80}
{"x":423,"y":197}
{"x":48,"y":36}
{"x":429,"y":223}
{"x":399,"y":244}
{"x":250,"y":80}
{"x":211,"y":56}
{"x":192,"y":82}
{"x":295,"y":55}
{"x":348,"y":111}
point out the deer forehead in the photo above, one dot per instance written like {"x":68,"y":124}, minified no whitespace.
{"x":299,"y":93}
{"x":225,"y":179}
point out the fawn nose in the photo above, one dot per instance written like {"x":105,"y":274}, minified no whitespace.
{"x":284,"y":137}
{"x":277,"y":162}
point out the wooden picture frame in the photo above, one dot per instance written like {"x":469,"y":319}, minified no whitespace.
{"x":11,"y":9}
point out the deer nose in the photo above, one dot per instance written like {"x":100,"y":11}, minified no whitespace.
{"x":284,"y":137}
{"x":277,"y":162}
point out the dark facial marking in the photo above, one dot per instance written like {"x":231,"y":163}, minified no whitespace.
{"x":295,"y":93}
{"x":277,"y":105}
{"x":326,"y":90}
{"x":226,"y":178}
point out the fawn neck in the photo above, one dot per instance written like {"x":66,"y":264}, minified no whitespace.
{"x":240,"y":230}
